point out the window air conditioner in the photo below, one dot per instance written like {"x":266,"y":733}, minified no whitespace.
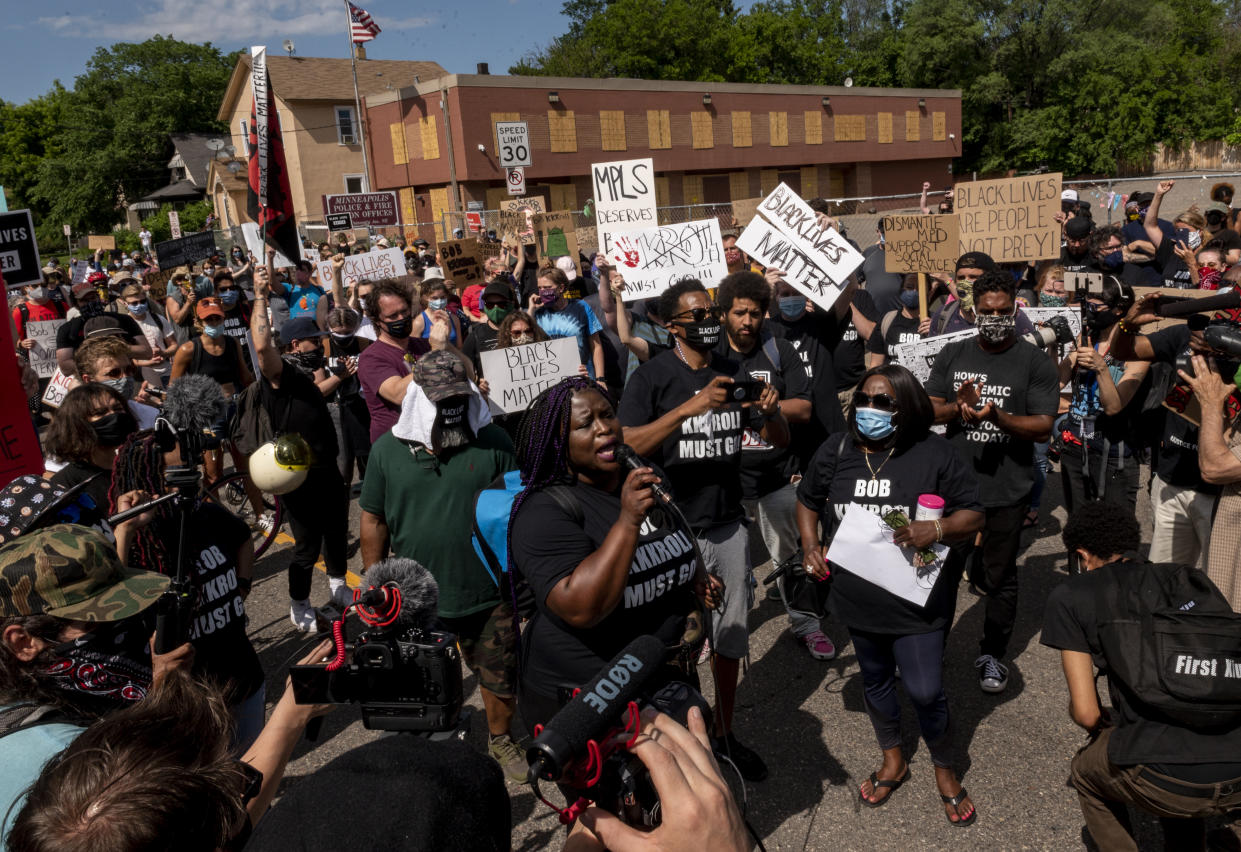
{"x":347,"y":139}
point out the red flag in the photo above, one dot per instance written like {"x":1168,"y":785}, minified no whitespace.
{"x":269,"y":201}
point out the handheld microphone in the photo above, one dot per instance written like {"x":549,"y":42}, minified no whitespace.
{"x":595,"y":710}
{"x":418,"y":591}
{"x":1174,"y":308}
{"x":194,"y":406}
{"x":627,"y":456}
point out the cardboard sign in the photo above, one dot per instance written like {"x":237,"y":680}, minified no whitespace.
{"x":488,"y":250}
{"x":365,"y":209}
{"x":19,"y":448}
{"x":624,"y":198}
{"x":157,"y":282}
{"x":58,"y":387}
{"x":462,"y":262}
{"x":19,"y":253}
{"x":653,"y":259}
{"x":43,"y":355}
{"x":1010,"y":219}
{"x":256,"y":247}
{"x":517,"y":219}
{"x":108,"y":242}
{"x":555,"y":236}
{"x":514,"y":139}
{"x":518,"y":374}
{"x":187,"y":250}
{"x":919,"y":356}
{"x":745,"y":210}
{"x":1139,"y":292}
{"x":921,"y":243}
{"x":371,"y":266}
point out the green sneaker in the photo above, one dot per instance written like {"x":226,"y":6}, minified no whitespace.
{"x":510,"y":756}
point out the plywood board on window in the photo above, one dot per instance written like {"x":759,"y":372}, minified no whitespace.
{"x":399,"y":155}
{"x":768,"y":180}
{"x":562,"y":131}
{"x":563,"y":196}
{"x":658,"y":129}
{"x":611,"y":130}
{"x":495,"y":118}
{"x":850,"y":128}
{"x":663,"y":197}
{"x":430,"y":138}
{"x":883,"y":126}
{"x":913,"y":125}
{"x":814,"y":127}
{"x":742,"y":137}
{"x":809,"y":182}
{"x":439,"y":205}
{"x":409,"y":212}
{"x":691,"y":188}
{"x":939,"y":127}
{"x":779,"y":128}
{"x":701,"y":131}
{"x":739,"y":185}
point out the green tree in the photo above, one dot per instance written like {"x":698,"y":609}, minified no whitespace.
{"x":193,"y":217}
{"x":28,"y":133}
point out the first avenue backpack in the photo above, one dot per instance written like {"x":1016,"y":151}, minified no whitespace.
{"x":1172,"y":645}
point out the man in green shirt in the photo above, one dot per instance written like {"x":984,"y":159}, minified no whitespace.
{"x":418,"y":501}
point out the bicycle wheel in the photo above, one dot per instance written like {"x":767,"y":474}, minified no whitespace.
{"x":229,"y":491}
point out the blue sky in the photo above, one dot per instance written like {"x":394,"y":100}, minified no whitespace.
{"x":53,"y":39}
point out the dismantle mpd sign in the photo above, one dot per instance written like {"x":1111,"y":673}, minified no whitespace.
{"x":365,"y":209}
{"x":19,"y":253}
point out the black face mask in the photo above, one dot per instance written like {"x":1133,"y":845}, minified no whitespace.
{"x":113,"y":428}
{"x":1101,"y":319}
{"x":702,"y":335}
{"x":308,"y":360}
{"x":107,"y":668}
{"x":400,"y":329}
{"x":91,"y":309}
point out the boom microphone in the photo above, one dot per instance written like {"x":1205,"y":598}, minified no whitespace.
{"x":1173,"y":308}
{"x":629,"y":457}
{"x":195,"y":407}
{"x":419,"y":593}
{"x":595,"y":710}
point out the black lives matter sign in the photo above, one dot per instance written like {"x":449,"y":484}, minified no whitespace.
{"x":19,"y":253}
{"x":365,"y":209}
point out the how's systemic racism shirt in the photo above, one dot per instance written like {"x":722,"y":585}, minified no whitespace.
{"x":1021,"y":381}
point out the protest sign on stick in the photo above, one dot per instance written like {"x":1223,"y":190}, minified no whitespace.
{"x":653,"y":259}
{"x":1011,"y":219}
{"x":517,"y":219}
{"x":461,"y":261}
{"x":96,"y":241}
{"x":921,"y":243}
{"x":518,"y":374}
{"x":624,"y":198}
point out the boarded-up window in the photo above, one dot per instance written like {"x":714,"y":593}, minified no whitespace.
{"x":700,"y":129}
{"x":658,"y":129}
{"x":739,"y":186}
{"x":495,"y":195}
{"x":562,"y":131}
{"x":809,"y":181}
{"x":850,"y":128}
{"x":883,"y":123}
{"x":779,"y":124}
{"x":663,"y":198}
{"x":497,"y":117}
{"x":430,"y":138}
{"x":691,"y":186}
{"x":741,"y":130}
{"x":563,"y":196}
{"x":835,"y":183}
{"x":814,"y":128}
{"x":409,"y":213}
{"x":439,"y":205}
{"x":939,"y":127}
{"x":913,"y":130}
{"x":399,"y":155}
{"x":612,"y":130}
{"x":768,"y":180}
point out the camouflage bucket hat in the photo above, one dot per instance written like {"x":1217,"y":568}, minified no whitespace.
{"x":441,"y":374}
{"x":72,"y":572}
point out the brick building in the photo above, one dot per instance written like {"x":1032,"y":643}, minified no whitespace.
{"x":711,"y":142}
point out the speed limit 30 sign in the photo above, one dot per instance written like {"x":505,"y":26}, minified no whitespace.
{"x":514,"y":140}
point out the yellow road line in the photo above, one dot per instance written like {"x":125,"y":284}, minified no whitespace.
{"x":351,"y":578}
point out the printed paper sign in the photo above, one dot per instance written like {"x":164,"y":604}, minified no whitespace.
{"x":514,"y":139}
{"x":256,"y":247}
{"x":1010,"y":219}
{"x":928,"y":244}
{"x":43,"y":355}
{"x":518,"y":374}
{"x":79,"y":270}
{"x":653,"y":259}
{"x":107,"y":242}
{"x":339,"y":221}
{"x":371,"y":266}
{"x":918,"y":357}
{"x":58,"y":387}
{"x":624,"y":198}
{"x":517,"y":219}
{"x":461,"y":261}
{"x":863,"y":545}
{"x":555,"y":236}
{"x":19,"y":253}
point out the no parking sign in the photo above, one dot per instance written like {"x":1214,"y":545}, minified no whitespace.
{"x":517,"y":181}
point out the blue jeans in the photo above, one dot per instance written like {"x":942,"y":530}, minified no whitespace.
{"x":249,"y":715}
{"x":921,"y":658}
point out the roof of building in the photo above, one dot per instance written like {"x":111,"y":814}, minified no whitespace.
{"x":196,"y":154}
{"x":307,"y":78}
{"x":182,"y":190}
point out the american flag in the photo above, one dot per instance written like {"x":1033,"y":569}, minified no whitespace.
{"x":362,"y":26}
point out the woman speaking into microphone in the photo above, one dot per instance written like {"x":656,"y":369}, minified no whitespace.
{"x":603,"y":563}
{"x":885,"y":462}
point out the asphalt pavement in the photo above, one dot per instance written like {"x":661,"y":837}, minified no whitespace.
{"x":805,"y":717}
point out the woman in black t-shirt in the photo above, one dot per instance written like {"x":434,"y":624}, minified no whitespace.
{"x":612,"y":569}
{"x":885,"y":462}
{"x":86,"y":431}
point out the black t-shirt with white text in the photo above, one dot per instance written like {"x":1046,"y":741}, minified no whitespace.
{"x":702,"y":457}
{"x":837,"y":477}
{"x":849,"y":347}
{"x":902,"y":329}
{"x":1177,"y":462}
{"x":549,"y":544}
{"x":1021,"y":381}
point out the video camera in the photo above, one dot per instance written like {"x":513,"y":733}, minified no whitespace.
{"x":1055,"y":331}
{"x":406,"y":676}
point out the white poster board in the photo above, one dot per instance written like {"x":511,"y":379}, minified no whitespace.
{"x":79,"y":270}
{"x":256,"y":247}
{"x":518,"y":374}
{"x":918,"y":357}
{"x":370,"y":266}
{"x":787,"y":234}
{"x":653,"y":259}
{"x":43,"y":355}
{"x":624,"y":198}
{"x":863,"y":546}
{"x":58,"y":387}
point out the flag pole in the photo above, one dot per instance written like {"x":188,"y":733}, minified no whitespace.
{"x":357,"y":101}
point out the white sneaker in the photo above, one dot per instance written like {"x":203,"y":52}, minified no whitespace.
{"x":302,"y":614}
{"x":267,"y":521}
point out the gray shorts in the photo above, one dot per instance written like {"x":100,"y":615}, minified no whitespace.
{"x":726,"y":552}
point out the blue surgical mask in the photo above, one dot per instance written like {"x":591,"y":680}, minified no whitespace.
{"x":213,"y":330}
{"x":228,"y":298}
{"x":437,"y":304}
{"x":909,"y":298}
{"x":792,"y":306}
{"x":873,"y":423}
{"x":138,"y":310}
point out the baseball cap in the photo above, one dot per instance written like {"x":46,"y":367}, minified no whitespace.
{"x":1216,"y":207}
{"x":567,"y":266}
{"x":498,"y":288}
{"x":72,"y":572}
{"x":209,"y":307}
{"x":976,"y":260}
{"x":421,"y":243}
{"x":1068,"y":195}
{"x":300,"y":328}
{"x":81,"y":289}
{"x":105,"y":326}
{"x":441,"y":374}
{"x":1142,"y":199}
{"x":1078,"y":227}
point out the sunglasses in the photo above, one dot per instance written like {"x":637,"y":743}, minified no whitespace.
{"x":699,"y":314}
{"x":880,"y":401}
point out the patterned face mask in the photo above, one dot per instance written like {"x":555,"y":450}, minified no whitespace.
{"x":109,"y":666}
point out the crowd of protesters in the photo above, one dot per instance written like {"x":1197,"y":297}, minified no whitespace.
{"x":758,"y":418}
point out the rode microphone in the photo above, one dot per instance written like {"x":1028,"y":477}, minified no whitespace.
{"x":194,"y":407}
{"x":1172,"y":307}
{"x":629,"y":457}
{"x":402,"y":594}
{"x":574,"y":733}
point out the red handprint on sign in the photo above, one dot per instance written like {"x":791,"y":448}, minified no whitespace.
{"x":627,"y":254}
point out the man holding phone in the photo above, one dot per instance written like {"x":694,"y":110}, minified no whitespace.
{"x":680,"y":412}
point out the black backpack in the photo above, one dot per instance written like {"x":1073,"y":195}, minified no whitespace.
{"x":1172,"y":645}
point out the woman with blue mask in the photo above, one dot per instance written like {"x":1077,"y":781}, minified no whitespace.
{"x":158,"y":332}
{"x":886,"y":461}
{"x":434,"y":293}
